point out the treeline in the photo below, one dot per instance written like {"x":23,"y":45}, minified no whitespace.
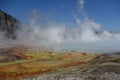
{"x":8,"y":25}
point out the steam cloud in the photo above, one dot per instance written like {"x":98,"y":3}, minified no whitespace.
{"x":81,"y":2}
{"x":86,"y":37}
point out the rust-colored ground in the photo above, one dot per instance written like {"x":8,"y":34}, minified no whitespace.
{"x":37,"y":66}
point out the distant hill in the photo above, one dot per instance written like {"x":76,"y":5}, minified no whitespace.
{"x":8,"y":25}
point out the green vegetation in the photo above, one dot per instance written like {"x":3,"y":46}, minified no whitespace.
{"x":14,"y":62}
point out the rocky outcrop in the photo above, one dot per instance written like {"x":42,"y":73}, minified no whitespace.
{"x":8,"y":25}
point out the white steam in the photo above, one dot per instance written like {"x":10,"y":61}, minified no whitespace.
{"x":88,"y":36}
{"x":81,"y":3}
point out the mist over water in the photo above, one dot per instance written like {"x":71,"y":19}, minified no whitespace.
{"x":105,"y":46}
{"x":88,"y":36}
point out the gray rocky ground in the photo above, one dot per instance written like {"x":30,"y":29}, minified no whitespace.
{"x":106,"y":71}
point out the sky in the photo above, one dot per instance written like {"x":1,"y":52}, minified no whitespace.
{"x":105,"y":12}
